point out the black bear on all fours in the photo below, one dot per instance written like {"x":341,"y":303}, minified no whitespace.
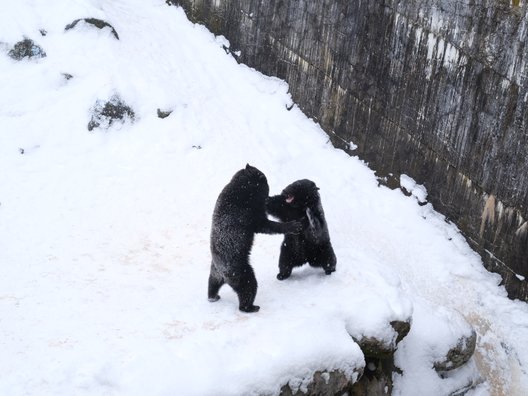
{"x":301,"y":201}
{"x":240,"y":212}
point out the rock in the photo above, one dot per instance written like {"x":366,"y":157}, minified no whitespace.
{"x":98,"y":23}
{"x":27,"y":150}
{"x":164,"y":113}
{"x":26,"y":49}
{"x":376,"y":380}
{"x":323,"y":384}
{"x":373,"y":347}
{"x":444,"y":336}
{"x":383,"y":349}
{"x":402,"y":328}
{"x":459,"y":354}
{"x":104,"y":114}
{"x":389,"y":180}
{"x":379,"y":359}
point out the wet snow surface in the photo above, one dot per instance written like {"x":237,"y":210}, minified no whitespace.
{"x":104,"y":235}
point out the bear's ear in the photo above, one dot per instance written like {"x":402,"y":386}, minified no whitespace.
{"x":248,"y":166}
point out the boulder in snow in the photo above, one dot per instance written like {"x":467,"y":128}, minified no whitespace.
{"x":442,"y":336}
{"x":164,"y":113}
{"x":98,"y":23}
{"x":379,"y":356}
{"x":458,"y":355}
{"x":104,"y":114}
{"x":26,"y":49}
{"x":381,"y":348}
{"x":323,"y":383}
{"x":377,"y":378}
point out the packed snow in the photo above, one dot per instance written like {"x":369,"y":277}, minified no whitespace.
{"x":104,"y":235}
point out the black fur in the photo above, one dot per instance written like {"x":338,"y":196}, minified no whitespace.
{"x":301,"y":201}
{"x":240,"y":212}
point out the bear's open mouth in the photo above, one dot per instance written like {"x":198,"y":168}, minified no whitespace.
{"x":289,"y":198}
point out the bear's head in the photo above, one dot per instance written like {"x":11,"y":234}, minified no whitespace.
{"x":251,"y":184}
{"x":293,"y":201}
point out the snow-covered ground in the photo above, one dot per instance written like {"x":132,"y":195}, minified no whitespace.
{"x":104,"y":235}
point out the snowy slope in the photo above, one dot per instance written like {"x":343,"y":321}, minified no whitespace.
{"x":104,"y":235}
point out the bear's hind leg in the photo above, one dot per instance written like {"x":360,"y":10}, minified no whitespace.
{"x":324,"y":257}
{"x":331,"y":261}
{"x":284,"y":272}
{"x":291,"y":255}
{"x":215,"y":283}
{"x":245,"y":287}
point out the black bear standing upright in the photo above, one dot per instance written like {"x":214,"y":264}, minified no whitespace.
{"x":301,"y":201}
{"x":240,"y":212}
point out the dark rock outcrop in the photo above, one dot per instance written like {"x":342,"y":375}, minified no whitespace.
{"x":323,"y":384}
{"x":374,"y":379}
{"x":98,"y":23}
{"x":381,"y":349}
{"x":379,"y":359}
{"x":26,"y":49}
{"x":434,"y":89}
{"x":401,"y":328}
{"x":106,"y":113}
